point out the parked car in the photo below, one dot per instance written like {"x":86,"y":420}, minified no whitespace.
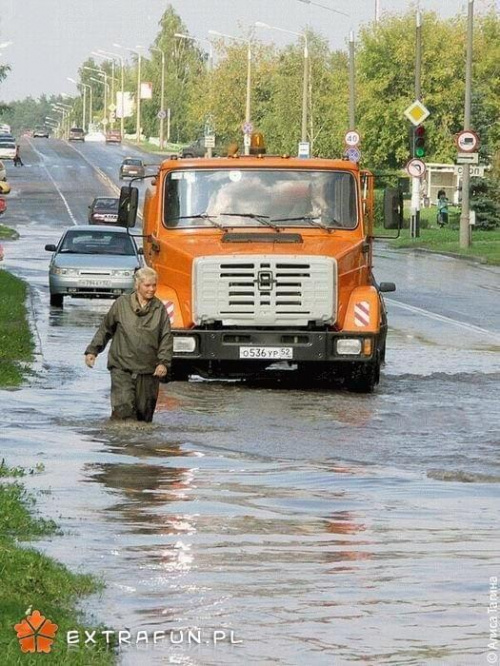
{"x":132,"y":167}
{"x":92,"y":262}
{"x":7,"y":150}
{"x":3,"y":171}
{"x":41,"y":133}
{"x":76,"y":134}
{"x":195,"y":149}
{"x":104,"y":210}
{"x":113,"y":136}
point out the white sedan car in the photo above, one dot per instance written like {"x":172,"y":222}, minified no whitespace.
{"x":7,"y":150}
{"x":3,"y":171}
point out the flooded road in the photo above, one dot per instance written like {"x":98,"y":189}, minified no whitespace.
{"x":320,"y":527}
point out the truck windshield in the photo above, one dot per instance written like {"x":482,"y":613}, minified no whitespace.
{"x":239,"y":197}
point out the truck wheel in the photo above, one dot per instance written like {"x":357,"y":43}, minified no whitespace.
{"x":363,"y":377}
{"x":56,"y":300}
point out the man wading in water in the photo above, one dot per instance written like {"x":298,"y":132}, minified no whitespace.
{"x":141,"y":349}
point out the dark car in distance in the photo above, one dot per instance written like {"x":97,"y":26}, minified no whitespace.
{"x":132,"y":167}
{"x":41,"y":133}
{"x":104,"y":210}
{"x":76,"y":134}
{"x":113,"y":136}
{"x":195,"y":149}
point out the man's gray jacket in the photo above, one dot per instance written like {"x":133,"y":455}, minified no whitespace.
{"x":141,"y":337}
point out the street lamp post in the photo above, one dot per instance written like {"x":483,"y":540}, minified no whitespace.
{"x":105,"y":84}
{"x":305,"y":81}
{"x":317,"y":4}
{"x":138,"y":100}
{"x":201,"y":40}
{"x":249,"y":78}
{"x":84,"y":99}
{"x":111,"y":56}
{"x":162,"y":96}
{"x":104,"y":74}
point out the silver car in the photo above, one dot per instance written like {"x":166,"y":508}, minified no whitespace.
{"x":93,"y":261}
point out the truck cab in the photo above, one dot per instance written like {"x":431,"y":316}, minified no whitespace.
{"x":264,"y":260}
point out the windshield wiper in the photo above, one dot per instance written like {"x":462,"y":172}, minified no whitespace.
{"x":311,"y":220}
{"x":200,"y":216}
{"x":263,"y":219}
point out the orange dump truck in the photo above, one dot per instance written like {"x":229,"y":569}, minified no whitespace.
{"x":264,"y":260}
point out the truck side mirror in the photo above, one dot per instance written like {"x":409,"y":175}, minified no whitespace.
{"x":393,"y":208}
{"x":127,"y":207}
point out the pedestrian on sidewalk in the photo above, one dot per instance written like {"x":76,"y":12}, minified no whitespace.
{"x":141,"y":349}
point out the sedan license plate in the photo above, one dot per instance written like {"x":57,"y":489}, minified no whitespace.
{"x":267,"y":353}
{"x":95,"y":283}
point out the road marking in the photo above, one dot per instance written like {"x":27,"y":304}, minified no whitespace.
{"x":104,"y":177}
{"x":42,"y":157}
{"x":443,"y":318}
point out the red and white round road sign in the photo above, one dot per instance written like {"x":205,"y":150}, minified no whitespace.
{"x":467,"y":141}
{"x":415,"y":168}
{"x":352,"y":138}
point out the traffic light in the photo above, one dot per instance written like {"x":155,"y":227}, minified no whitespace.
{"x":419,"y":141}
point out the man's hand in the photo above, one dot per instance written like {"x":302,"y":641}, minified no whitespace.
{"x":160,"y":371}
{"x":90,"y":360}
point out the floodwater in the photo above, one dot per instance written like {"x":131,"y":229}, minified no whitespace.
{"x":318,"y":526}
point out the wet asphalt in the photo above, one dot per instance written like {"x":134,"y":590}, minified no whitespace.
{"x":320,"y":527}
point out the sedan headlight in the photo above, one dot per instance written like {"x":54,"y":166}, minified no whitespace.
{"x":55,"y":270}
{"x":122,"y":273}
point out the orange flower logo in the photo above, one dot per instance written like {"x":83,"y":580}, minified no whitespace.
{"x":36,"y":633}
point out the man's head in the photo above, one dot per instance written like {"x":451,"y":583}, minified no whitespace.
{"x":145,"y":283}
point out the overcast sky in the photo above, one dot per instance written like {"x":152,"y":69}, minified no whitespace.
{"x":51,"y":38}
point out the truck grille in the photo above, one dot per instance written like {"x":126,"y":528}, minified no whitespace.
{"x":270,"y":290}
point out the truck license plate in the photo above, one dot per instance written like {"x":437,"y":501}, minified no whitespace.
{"x":267,"y":352}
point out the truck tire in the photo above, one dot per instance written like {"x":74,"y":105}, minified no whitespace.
{"x":363,"y":377}
{"x":56,"y":300}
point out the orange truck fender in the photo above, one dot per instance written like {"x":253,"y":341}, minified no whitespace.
{"x":169,"y":299}
{"x":363,"y":311}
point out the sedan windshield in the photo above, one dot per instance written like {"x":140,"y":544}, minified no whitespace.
{"x":257,"y":197}
{"x":97,"y":242}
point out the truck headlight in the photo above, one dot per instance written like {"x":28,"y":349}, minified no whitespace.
{"x":184,"y":345}
{"x":349,"y":346}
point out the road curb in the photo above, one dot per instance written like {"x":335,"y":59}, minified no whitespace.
{"x":453,"y":255}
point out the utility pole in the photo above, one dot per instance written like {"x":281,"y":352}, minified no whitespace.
{"x":415,"y":181}
{"x":465,"y":235}
{"x":352,"y":89}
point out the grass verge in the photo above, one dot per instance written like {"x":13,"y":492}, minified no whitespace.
{"x":32,"y":581}
{"x":148,"y":147}
{"x":8,"y":233}
{"x":16,"y":341}
{"x":485,"y":244}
